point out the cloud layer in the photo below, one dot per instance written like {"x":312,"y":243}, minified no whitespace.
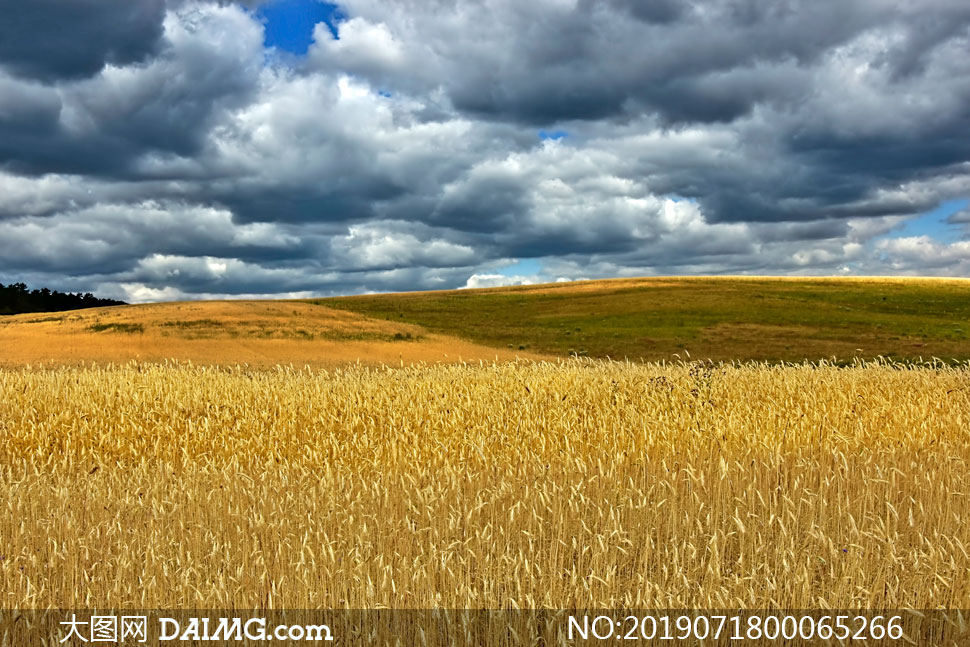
{"x":152,"y":150}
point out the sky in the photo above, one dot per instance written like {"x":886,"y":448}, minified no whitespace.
{"x":183,"y":149}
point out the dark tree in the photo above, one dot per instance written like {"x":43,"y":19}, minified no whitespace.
{"x":16,"y":298}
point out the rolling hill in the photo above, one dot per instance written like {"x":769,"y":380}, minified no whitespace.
{"x":258,"y":333}
{"x":638,"y":319}
{"x":732,"y":318}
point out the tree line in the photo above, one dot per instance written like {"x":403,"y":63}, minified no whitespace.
{"x":16,"y":298}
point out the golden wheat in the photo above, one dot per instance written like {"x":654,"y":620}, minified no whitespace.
{"x":566,"y":485}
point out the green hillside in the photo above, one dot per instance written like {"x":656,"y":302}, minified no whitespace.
{"x":716,"y":318}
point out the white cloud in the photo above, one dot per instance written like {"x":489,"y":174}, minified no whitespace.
{"x":497,"y":280}
{"x":922,"y":253}
{"x":374,"y":246}
{"x":141,"y":293}
{"x":363,"y":46}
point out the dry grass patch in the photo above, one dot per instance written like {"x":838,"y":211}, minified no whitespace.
{"x":261,"y":333}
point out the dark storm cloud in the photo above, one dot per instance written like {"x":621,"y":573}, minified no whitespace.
{"x":112,"y":238}
{"x":299,"y":205}
{"x":886,"y":156}
{"x":551,"y":61}
{"x":484,"y":203}
{"x":659,"y":11}
{"x":68,"y":39}
{"x":960,"y":217}
{"x":103,"y":124}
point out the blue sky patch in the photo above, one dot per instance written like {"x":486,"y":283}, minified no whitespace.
{"x":554,"y":135}
{"x":933,"y":223}
{"x":523,"y":267}
{"x":289,"y":23}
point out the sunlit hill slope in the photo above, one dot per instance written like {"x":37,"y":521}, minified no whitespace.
{"x":639,"y":319}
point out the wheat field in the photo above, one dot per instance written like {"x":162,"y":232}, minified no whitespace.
{"x":575,"y":484}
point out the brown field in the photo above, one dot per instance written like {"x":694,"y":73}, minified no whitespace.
{"x":580,"y":484}
{"x":257,"y":333}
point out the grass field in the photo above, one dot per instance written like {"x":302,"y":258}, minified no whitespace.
{"x":576,"y":485}
{"x":639,"y":319}
{"x":256,"y":333}
{"x":716,"y":318}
